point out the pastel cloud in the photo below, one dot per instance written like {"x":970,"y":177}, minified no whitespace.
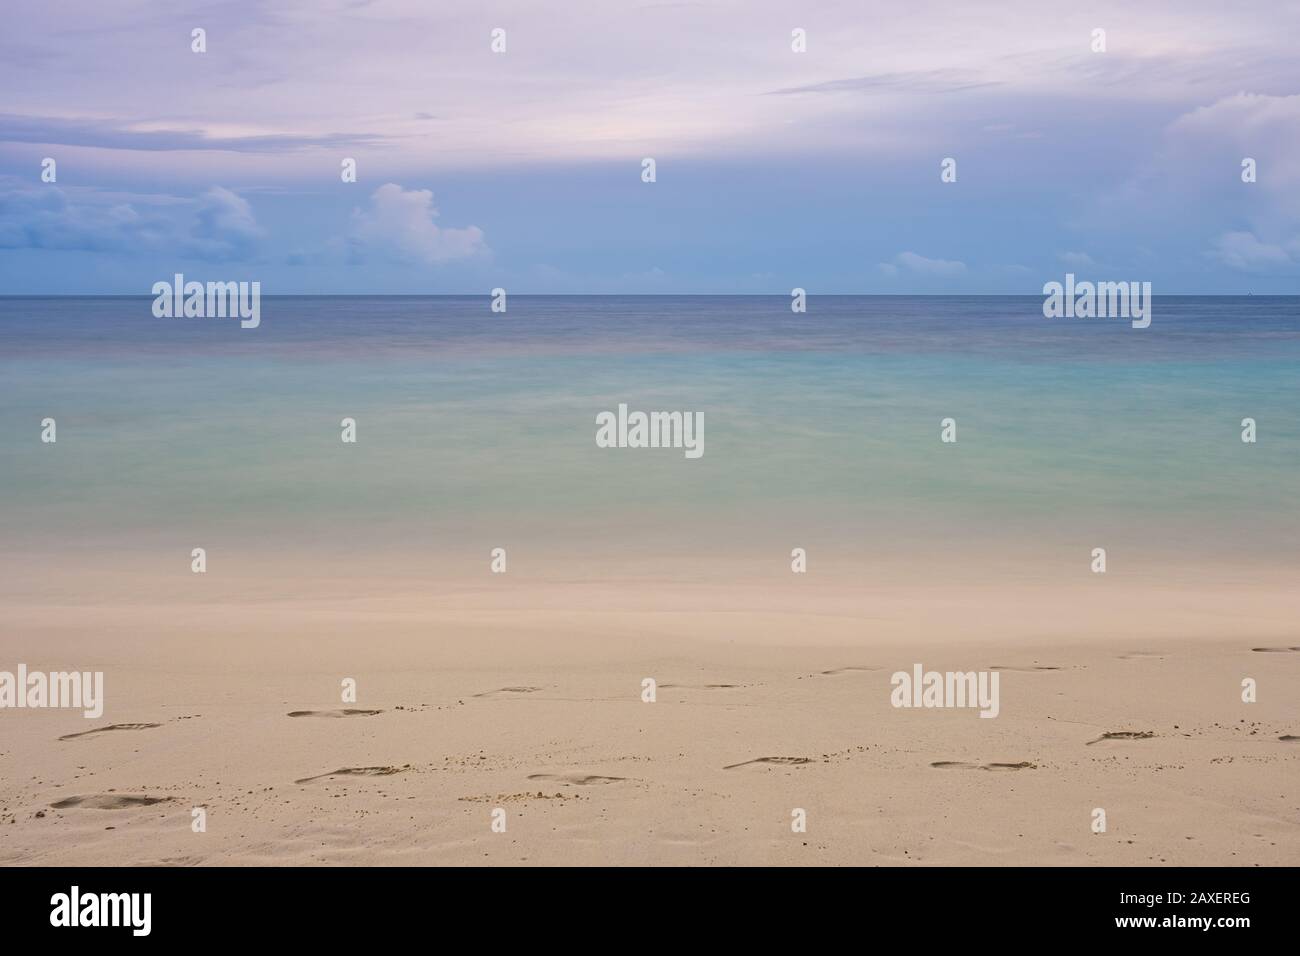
{"x":224,"y":226}
{"x":1245,"y":252}
{"x":400,"y":224}
{"x":771,"y":163}
{"x":595,"y":81}
{"x":218,"y":225}
{"x":910,"y":263}
{"x":44,"y":218}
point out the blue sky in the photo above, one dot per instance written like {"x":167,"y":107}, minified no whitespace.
{"x":775,"y":169}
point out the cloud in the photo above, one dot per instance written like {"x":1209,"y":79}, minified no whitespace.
{"x":1243,"y":118}
{"x":607,"y":76}
{"x":912,"y":264}
{"x":224,"y":227}
{"x":135,"y":135}
{"x":399,"y":223}
{"x":1076,"y":260}
{"x":865,"y":115}
{"x":1186,"y":192}
{"x":1205,"y":147}
{"x":44,"y":218}
{"x":1246,"y":253}
{"x":221,"y":227}
{"x":915,"y":81}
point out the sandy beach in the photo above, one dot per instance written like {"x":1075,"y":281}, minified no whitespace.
{"x":527,"y":697}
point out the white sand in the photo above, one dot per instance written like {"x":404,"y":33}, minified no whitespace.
{"x":527,"y":697}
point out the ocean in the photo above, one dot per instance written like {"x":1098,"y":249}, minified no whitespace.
{"x":822,"y":429}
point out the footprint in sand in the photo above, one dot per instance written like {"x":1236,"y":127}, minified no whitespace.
{"x":577,"y":779}
{"x":1274,"y":650}
{"x":355,"y":772}
{"x":101,"y":730}
{"x":1123,"y":735}
{"x":108,"y":801}
{"x":961,"y":765}
{"x":508,"y":690}
{"x":345,"y":712}
{"x":779,"y":761}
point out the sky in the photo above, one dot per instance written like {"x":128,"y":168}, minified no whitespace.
{"x":774,"y":169}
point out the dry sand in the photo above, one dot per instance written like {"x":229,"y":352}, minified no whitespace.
{"x":527,"y":697}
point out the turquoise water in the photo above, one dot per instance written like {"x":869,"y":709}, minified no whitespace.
{"x":475,"y":423}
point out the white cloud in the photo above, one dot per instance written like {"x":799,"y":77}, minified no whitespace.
{"x":1245,"y":252}
{"x":399,"y":223}
{"x":1243,"y":118}
{"x":224,"y":226}
{"x":912,"y":264}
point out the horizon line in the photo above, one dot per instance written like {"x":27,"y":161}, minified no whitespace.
{"x":645,"y":295}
